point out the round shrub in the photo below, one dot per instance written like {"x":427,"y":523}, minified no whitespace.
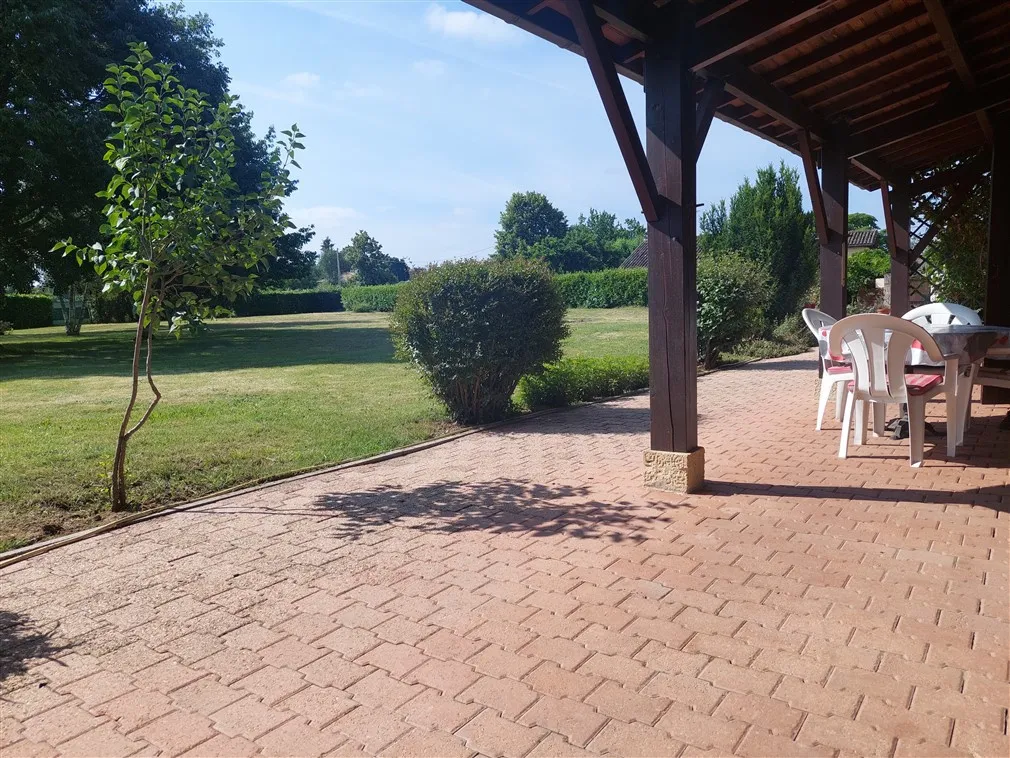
{"x":474,"y":328}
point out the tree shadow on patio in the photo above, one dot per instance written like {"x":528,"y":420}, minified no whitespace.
{"x":500,"y":506}
{"x":21,"y":642}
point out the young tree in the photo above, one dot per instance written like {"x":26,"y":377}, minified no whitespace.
{"x":181,"y":236}
{"x":528,"y":218}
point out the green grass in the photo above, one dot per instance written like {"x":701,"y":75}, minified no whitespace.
{"x":254,"y":397}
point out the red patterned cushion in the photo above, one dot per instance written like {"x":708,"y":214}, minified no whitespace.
{"x":920,"y":384}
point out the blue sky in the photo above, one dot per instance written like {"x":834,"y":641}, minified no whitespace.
{"x":423,"y":117}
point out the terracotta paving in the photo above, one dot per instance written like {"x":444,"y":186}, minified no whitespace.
{"x":518,"y":592}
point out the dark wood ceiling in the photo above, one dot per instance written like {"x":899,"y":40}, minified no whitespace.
{"x":905,"y":85}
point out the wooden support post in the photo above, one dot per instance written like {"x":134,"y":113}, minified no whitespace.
{"x":834,"y":250}
{"x":829,"y":197}
{"x":675,"y":460}
{"x":897,"y":218}
{"x":997,"y":301}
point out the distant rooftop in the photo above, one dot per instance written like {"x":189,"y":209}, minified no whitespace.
{"x":863,"y":238}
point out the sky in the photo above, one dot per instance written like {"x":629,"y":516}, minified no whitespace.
{"x":422,"y":118}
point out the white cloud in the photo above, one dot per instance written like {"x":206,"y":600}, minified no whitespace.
{"x":356,"y":89}
{"x":429,"y":68}
{"x":471,"y":25}
{"x":301,"y":80}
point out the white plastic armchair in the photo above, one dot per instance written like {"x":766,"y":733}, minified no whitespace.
{"x":878,"y":345}
{"x":943,"y":314}
{"x":834,"y":373}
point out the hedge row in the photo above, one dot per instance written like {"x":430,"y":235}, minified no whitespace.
{"x":27,"y":311}
{"x":610,"y":288}
{"x":377,"y":297}
{"x":573,"y":380}
{"x":279,"y":302}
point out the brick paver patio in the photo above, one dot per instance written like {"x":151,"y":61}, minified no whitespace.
{"x":518,"y":592}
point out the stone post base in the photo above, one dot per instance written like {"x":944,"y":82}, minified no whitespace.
{"x":675,"y":472}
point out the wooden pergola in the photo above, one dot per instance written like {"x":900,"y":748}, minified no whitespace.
{"x":905,"y":96}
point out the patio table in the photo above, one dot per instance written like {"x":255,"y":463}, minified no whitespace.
{"x":963,"y":346}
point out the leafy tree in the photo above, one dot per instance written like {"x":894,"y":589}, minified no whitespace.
{"x":181,"y":236}
{"x":732,"y":297}
{"x":291,"y":263}
{"x":957,"y":256}
{"x":54,"y":126}
{"x":578,"y":250}
{"x":863,"y":221}
{"x":528,"y":218}
{"x":370,"y":265}
{"x":766,"y":223}
{"x":330,"y":265}
{"x":863,"y":268}
{"x":711,"y":226}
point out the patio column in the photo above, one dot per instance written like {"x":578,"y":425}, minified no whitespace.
{"x":834,"y":245}
{"x":674,"y":462}
{"x":997,"y":299}
{"x":897,"y":217}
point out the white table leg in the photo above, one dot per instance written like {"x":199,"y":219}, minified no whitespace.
{"x":964,"y":383}
{"x":950,"y":379}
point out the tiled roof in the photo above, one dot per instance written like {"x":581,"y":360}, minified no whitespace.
{"x":639,"y":257}
{"x":863,"y":238}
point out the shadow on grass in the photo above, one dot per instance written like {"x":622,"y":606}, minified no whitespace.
{"x":22,"y":642}
{"x":224,"y":347}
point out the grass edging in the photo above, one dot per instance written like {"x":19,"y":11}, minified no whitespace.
{"x":17,"y":555}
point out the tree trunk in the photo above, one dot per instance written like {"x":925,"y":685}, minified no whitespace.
{"x":119,"y":502}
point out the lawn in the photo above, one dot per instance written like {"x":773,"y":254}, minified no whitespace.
{"x":253,"y":397}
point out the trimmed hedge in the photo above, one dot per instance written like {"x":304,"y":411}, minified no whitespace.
{"x":27,"y":311}
{"x":573,"y":380}
{"x":371,"y":298}
{"x":281,"y":302}
{"x":610,"y":288}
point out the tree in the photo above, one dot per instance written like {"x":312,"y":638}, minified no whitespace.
{"x":528,"y":218}
{"x":290,"y":264}
{"x":863,"y":221}
{"x":578,"y":250}
{"x":181,"y":236}
{"x":370,"y":265}
{"x":54,"y":126}
{"x":329,"y":265}
{"x":766,"y":223}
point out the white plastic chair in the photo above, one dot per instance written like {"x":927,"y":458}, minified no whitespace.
{"x":833,"y":372}
{"x":878,"y":346}
{"x":943,"y":314}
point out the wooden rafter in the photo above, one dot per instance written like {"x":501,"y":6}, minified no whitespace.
{"x":601,"y":64}
{"x":711,"y":97}
{"x":813,"y":186}
{"x":941,"y":20}
{"x":750,"y":24}
{"x":963,"y":104}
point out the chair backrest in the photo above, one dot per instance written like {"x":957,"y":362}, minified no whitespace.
{"x":943,"y":314}
{"x":878,"y":346}
{"x":815,"y":321}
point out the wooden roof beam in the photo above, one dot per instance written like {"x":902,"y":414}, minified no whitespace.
{"x":601,"y":64}
{"x":750,"y":25}
{"x":986,"y":96}
{"x":941,"y":20}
